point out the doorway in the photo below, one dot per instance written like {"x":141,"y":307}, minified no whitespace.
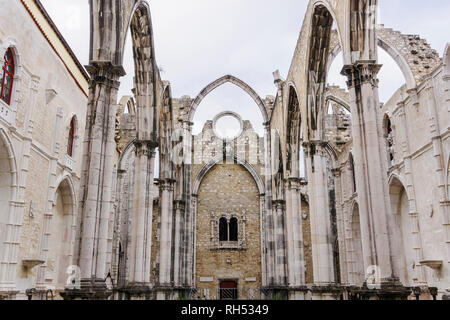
{"x":228,"y":290}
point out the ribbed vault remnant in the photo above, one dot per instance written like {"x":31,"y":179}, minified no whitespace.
{"x":415,"y":51}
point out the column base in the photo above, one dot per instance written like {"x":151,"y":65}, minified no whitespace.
{"x":388,"y":289}
{"x":170,"y":293}
{"x":135,"y":291}
{"x":299,"y":293}
{"x":327,"y":292}
{"x":90,"y":289}
{"x":275,"y":293}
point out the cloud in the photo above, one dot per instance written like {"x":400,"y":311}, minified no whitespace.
{"x":198,"y":41}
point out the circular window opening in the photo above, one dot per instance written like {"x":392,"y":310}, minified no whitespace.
{"x":228,"y":125}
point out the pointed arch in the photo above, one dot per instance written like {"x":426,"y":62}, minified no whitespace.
{"x":331,"y":97}
{"x":293,"y":131}
{"x":211,"y":164}
{"x":165,"y":127}
{"x":400,"y":231}
{"x":447,"y":60}
{"x":221,"y":81}
{"x":146,"y":72}
{"x":384,"y":42}
{"x":357,"y":261}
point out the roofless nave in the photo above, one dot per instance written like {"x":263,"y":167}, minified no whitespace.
{"x":341,"y":198}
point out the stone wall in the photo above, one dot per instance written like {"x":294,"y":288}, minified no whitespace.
{"x":228,"y":189}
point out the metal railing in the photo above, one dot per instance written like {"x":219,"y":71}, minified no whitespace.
{"x":227,"y":294}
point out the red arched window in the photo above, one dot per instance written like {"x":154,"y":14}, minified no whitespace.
{"x":7,"y":76}
{"x":71,"y":137}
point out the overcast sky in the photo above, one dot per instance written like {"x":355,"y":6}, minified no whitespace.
{"x":198,"y":41}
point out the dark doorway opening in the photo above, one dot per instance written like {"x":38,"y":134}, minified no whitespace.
{"x":228,"y":290}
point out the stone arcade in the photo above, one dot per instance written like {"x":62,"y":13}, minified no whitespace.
{"x":228,"y":217}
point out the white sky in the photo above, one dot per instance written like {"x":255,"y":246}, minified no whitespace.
{"x":198,"y":41}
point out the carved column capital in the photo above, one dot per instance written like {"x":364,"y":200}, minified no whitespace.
{"x":105,"y":72}
{"x":293,"y":183}
{"x":179,"y":205}
{"x":279,"y":204}
{"x":361,"y":72}
{"x":317,"y":147}
{"x":145,"y":148}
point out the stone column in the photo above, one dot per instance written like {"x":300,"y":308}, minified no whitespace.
{"x":269,"y":233}
{"x":370,"y":164}
{"x":96,"y":180}
{"x":166,"y":241}
{"x":294,"y":231}
{"x":142,"y":213}
{"x":320,"y":214}
{"x":279,"y":207}
{"x":179,"y":244}
{"x":190,"y":242}
{"x":340,"y":220}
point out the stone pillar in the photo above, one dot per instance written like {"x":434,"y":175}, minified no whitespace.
{"x":190,"y":206}
{"x":279,"y":207}
{"x":142,"y":213}
{"x":370,"y":164}
{"x":269,"y":233}
{"x":320,"y":214}
{"x":340,"y":220}
{"x":191,"y":240}
{"x":166,"y":241}
{"x":179,"y":244}
{"x":294,"y":232}
{"x":96,"y":180}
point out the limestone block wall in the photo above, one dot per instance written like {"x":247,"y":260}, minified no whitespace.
{"x":421,"y":148}
{"x":228,"y":189}
{"x":307,"y":245}
{"x":46,"y":96}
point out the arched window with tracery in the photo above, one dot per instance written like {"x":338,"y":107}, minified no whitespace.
{"x":389,"y":136}
{"x":70,"y":142}
{"x":223,"y":229}
{"x":233,"y":229}
{"x":7,"y":76}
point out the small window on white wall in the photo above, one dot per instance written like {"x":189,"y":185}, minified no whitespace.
{"x":7,"y":76}
{"x":71,"y":138}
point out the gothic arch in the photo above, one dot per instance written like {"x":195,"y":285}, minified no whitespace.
{"x":62,"y":230}
{"x":400,"y":231}
{"x":127,"y":154}
{"x":110,"y":22}
{"x":211,"y":164}
{"x":146,"y":72}
{"x":317,"y":55}
{"x":221,"y":81}
{"x":126,"y":102}
{"x":447,"y":60}
{"x":165,"y":128}
{"x":403,"y":50}
{"x":67,"y":183}
{"x":293,"y":131}
{"x":331,"y":97}
{"x":357,"y":260}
